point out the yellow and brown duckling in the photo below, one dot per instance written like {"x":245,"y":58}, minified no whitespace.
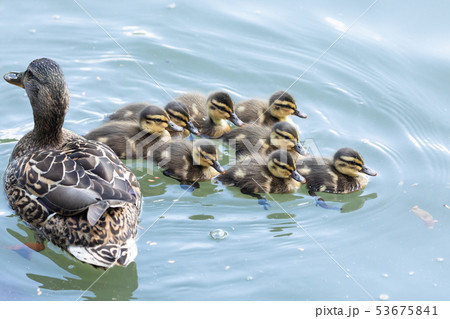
{"x":276,"y":175}
{"x":77,"y":193}
{"x":344,"y":173}
{"x":177,"y":111}
{"x":189,"y":161}
{"x":210,"y":114}
{"x":129,"y":139}
{"x":264,"y":140}
{"x":278,"y":109}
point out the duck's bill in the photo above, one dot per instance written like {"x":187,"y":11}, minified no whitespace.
{"x":300,"y":149}
{"x":368,"y":171}
{"x":15,"y":78}
{"x":173,"y":127}
{"x":300,"y":114}
{"x":299,"y":178}
{"x":236,"y":120}
{"x":191,"y":128}
{"x":218,"y":167}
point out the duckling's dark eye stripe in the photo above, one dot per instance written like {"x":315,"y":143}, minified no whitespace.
{"x":179,"y":118}
{"x":351,"y":163}
{"x":285,"y":105}
{"x":222,"y":109}
{"x":286,"y":136}
{"x":283,"y":167}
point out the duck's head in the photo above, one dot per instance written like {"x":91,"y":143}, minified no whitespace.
{"x":349,"y":162}
{"x":284,"y":135}
{"x":205,"y":154}
{"x":282,"y":165}
{"x":179,"y":114}
{"x":47,"y":90}
{"x":221,"y":107}
{"x":154,"y":119}
{"x":282,"y":104}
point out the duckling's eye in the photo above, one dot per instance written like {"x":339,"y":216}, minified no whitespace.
{"x":342,"y":164}
{"x":158,"y":120}
{"x":352,"y":163}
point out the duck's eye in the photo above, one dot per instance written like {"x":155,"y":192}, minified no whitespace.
{"x":342,"y":165}
{"x":158,"y":120}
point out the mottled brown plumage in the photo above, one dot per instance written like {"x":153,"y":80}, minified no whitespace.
{"x":278,"y":108}
{"x":77,"y":193}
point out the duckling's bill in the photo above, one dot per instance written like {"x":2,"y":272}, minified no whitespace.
{"x":300,"y":114}
{"x":236,"y":120}
{"x":300,"y":149}
{"x":173,"y":127}
{"x":299,"y":178}
{"x":218,"y":167}
{"x":368,"y":171}
{"x":191,"y":128}
{"x":15,"y":78}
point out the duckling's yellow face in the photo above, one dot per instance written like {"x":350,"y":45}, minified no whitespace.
{"x":218,"y":110}
{"x":349,"y":165}
{"x":154,"y":123}
{"x":283,"y":140}
{"x":178,"y":118}
{"x":280,"y":169}
{"x":281,"y":108}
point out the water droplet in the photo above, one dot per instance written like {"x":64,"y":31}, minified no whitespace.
{"x":383,"y":297}
{"x":218,"y":234}
{"x":385,"y":275}
{"x":70,"y":267}
{"x":301,"y":249}
{"x":39,"y":292}
{"x":172,"y":6}
{"x":227,"y":267}
{"x":171,"y":261}
{"x":411,"y":273}
{"x":249,"y":278}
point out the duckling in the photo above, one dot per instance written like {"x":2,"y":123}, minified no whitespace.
{"x":277,"y":175}
{"x":129,"y":139}
{"x":210,"y":114}
{"x":264,"y":140}
{"x":75,"y":192}
{"x":177,"y":111}
{"x":345,"y":173}
{"x":280,"y":105}
{"x":189,"y":161}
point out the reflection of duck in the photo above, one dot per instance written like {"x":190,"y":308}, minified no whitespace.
{"x":76,"y":192}
{"x":129,"y":139}
{"x":279,"y":107}
{"x":264,"y":140}
{"x":117,"y":283}
{"x":189,"y":161}
{"x":178,"y":112}
{"x":345,"y":173}
{"x":210,"y":114}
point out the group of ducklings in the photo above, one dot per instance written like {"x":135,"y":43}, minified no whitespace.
{"x":80,"y":196}
{"x":270,"y":158}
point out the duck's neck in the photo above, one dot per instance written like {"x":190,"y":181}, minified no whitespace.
{"x":48,"y":123}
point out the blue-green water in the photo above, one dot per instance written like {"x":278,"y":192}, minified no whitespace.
{"x":382,"y":89}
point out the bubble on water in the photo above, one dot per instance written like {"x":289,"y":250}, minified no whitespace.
{"x":383,"y":297}
{"x":39,"y":292}
{"x":172,"y":6}
{"x":411,"y":273}
{"x":227,"y":267}
{"x":385,"y":275}
{"x":218,"y":234}
{"x":439,"y":259}
{"x":249,"y":278}
{"x":71,"y":267}
{"x":171,"y":261}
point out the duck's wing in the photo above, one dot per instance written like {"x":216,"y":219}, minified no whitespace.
{"x":74,"y":179}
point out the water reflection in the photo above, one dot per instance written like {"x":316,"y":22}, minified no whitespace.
{"x":280,"y":227}
{"x":116,"y":283}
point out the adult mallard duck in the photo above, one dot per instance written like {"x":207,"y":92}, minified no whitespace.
{"x":77,"y":193}
{"x":344,"y":173}
{"x":279,"y":107}
{"x":177,"y":111}
{"x":129,"y":139}
{"x":210,"y":114}
{"x":189,"y":161}
{"x":264,"y":140}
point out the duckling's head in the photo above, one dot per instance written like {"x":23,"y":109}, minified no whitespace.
{"x":282,"y":104}
{"x":284,"y":135}
{"x":282,"y":165}
{"x":205,"y":154}
{"x":221,"y":107}
{"x":47,"y":90}
{"x":180,"y":115}
{"x":349,"y":162}
{"x":154,"y":119}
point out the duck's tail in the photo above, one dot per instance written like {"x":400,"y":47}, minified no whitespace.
{"x":106,"y":255}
